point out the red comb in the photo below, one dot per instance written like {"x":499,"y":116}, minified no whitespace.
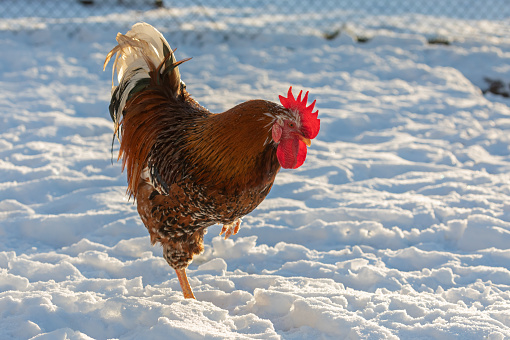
{"x":309,"y":122}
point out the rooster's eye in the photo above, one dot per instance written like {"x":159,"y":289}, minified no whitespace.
{"x":291,"y":124}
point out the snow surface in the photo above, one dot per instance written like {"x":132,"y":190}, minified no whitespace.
{"x":397,"y":225}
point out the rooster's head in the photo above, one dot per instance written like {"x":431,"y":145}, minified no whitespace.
{"x":293,"y":130}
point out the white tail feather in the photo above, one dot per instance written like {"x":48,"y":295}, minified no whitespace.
{"x":138,"y":52}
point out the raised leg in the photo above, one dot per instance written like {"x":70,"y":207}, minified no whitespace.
{"x":231,"y":229}
{"x":183,"y":280}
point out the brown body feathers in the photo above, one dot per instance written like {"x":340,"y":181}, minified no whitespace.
{"x":187,"y":168}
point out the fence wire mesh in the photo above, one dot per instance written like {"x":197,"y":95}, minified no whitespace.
{"x":450,"y":19}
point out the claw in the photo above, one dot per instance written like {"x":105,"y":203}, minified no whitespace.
{"x":231,"y":229}
{"x":237,"y":226}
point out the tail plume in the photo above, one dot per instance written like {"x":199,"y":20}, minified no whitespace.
{"x":140,"y":53}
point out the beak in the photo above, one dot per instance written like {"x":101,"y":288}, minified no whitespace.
{"x":306,"y":140}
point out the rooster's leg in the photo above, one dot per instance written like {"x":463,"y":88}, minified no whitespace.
{"x":231,"y":229}
{"x":183,"y":280}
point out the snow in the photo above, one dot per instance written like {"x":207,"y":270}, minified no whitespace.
{"x":397,"y":225}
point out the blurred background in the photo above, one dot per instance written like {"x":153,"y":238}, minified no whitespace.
{"x":437,"y":19}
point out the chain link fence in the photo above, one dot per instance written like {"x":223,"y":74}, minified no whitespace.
{"x":436,"y":18}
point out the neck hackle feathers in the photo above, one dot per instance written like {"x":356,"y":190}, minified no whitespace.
{"x":309,"y":122}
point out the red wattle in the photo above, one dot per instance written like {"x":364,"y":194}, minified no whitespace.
{"x":291,"y":153}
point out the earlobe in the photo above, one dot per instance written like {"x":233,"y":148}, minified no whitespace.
{"x":276,"y":132}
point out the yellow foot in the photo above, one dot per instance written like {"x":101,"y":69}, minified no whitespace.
{"x":183,"y":280}
{"x":231,"y":229}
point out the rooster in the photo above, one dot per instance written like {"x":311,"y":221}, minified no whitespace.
{"x":188,"y":168}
